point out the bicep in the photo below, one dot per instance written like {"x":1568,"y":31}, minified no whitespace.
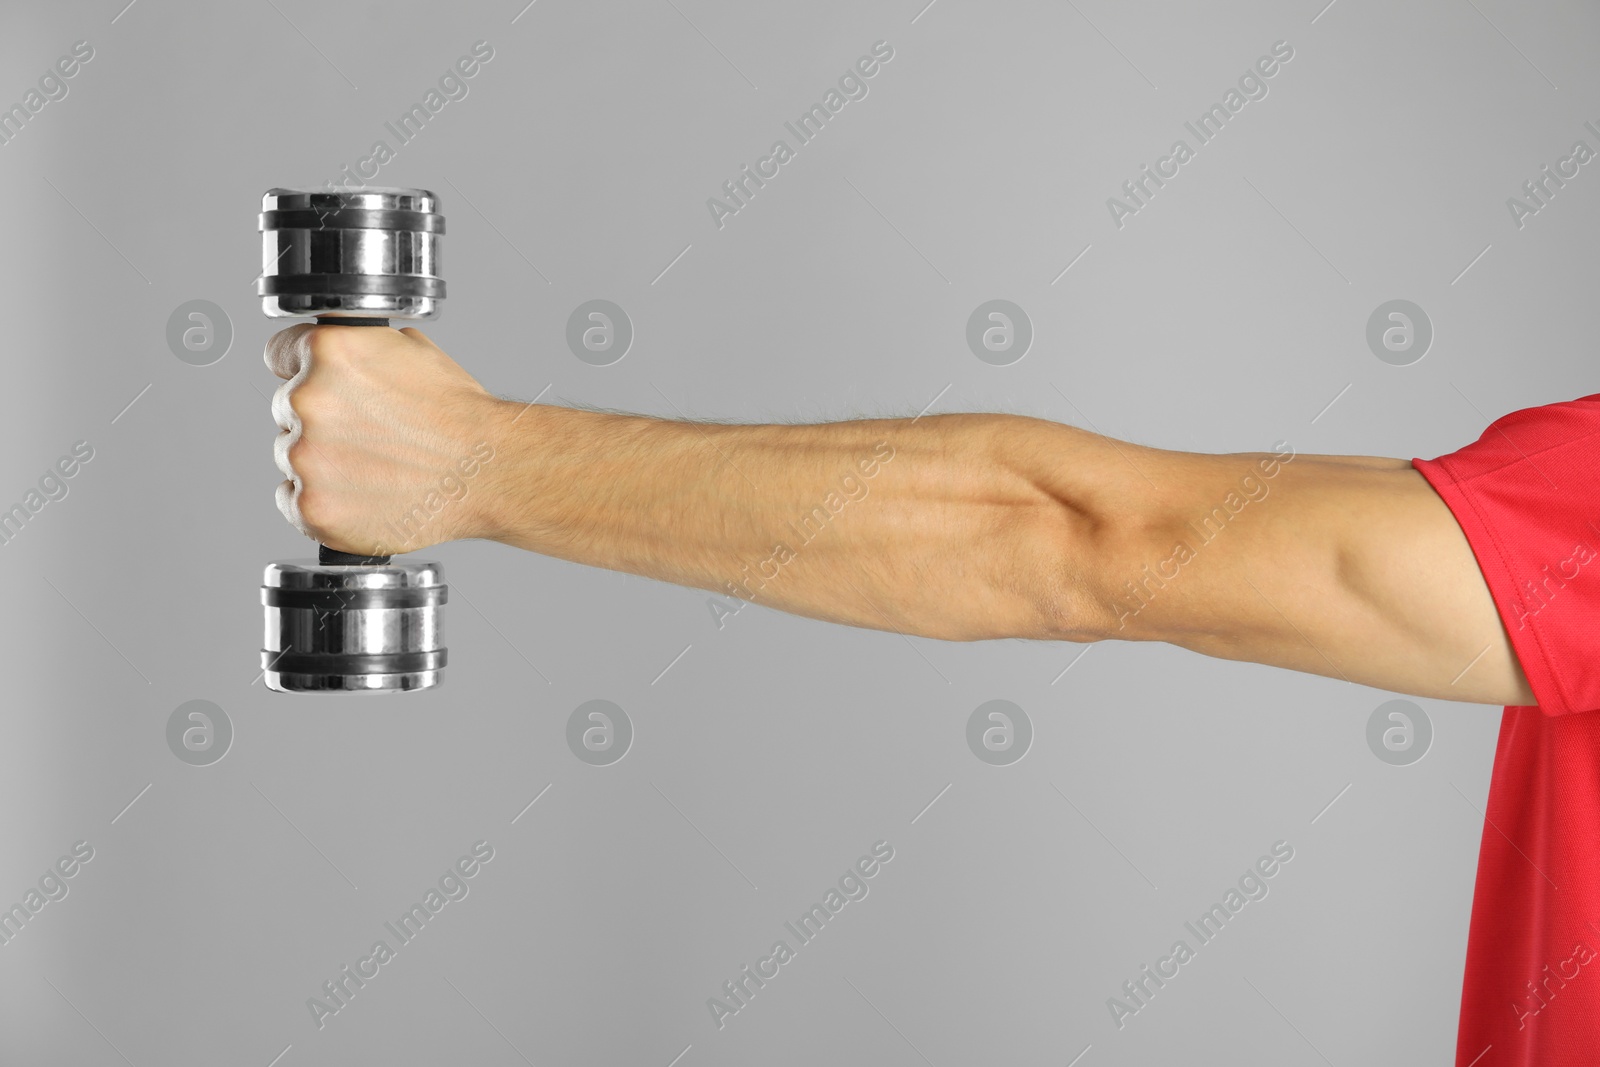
{"x":1346,"y":566}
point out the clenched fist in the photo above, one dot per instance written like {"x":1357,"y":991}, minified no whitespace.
{"x":387,"y":443}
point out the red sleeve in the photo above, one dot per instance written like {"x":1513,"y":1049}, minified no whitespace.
{"x":1527,"y":496}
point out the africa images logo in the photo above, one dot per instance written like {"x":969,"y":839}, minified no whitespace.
{"x":852,"y":85}
{"x":1252,"y":85}
{"x":453,"y":885}
{"x":852,"y":886}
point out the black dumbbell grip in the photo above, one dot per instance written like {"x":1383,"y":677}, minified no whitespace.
{"x":341,"y":320}
{"x":332,"y":556}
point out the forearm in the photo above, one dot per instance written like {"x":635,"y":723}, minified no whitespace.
{"x":939,"y":526}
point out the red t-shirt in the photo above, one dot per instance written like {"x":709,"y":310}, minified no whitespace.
{"x":1527,"y":496}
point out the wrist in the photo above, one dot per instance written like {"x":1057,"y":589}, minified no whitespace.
{"x":563,"y":481}
{"x":504,"y":430}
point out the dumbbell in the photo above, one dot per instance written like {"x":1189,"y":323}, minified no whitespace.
{"x":342,"y":622}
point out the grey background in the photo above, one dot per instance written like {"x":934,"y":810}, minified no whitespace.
{"x":1225,"y":316}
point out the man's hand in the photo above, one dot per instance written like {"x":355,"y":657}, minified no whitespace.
{"x":393,"y":438}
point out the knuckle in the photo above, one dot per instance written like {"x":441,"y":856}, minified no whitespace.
{"x":301,"y":458}
{"x":312,"y":465}
{"x":310,"y":401}
{"x":282,"y":348}
{"x":319,"y":511}
{"x":327,"y":345}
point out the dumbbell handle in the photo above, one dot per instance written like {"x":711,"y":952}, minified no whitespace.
{"x":332,"y":556}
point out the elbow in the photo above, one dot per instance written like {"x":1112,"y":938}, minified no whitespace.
{"x":1072,"y":559}
{"x":1069,"y":533}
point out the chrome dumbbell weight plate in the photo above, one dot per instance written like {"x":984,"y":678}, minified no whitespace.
{"x":353,"y":628}
{"x":373,"y":253}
